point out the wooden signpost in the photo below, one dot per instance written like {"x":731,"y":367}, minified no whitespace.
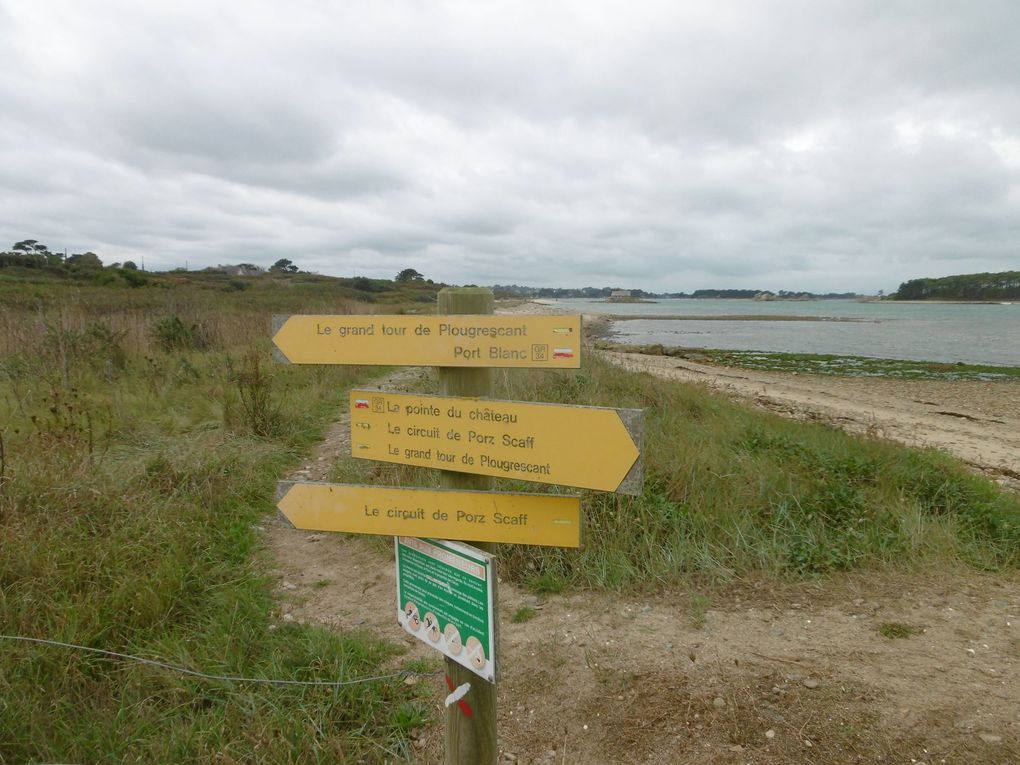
{"x":469,"y":738}
{"x":446,"y":593}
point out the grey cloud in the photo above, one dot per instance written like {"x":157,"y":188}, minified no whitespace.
{"x":784,"y":145}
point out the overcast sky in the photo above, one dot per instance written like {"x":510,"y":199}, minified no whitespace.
{"x":813,"y":145}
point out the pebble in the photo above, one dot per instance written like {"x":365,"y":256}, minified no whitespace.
{"x":770,"y":734}
{"x":315,"y":537}
{"x":718,"y":702}
{"x":530,"y":601}
{"x":990,"y":738}
{"x":810,"y":682}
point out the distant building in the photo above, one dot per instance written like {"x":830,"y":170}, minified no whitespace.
{"x":620,"y":296}
{"x":242,"y":269}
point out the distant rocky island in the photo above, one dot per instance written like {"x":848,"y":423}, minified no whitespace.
{"x":770,"y":296}
{"x":625,"y":296}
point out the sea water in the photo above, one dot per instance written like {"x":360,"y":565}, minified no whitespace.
{"x":942,"y":332}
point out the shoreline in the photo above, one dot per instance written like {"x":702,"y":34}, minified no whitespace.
{"x":735,"y":317}
{"x":1009,"y":301}
{"x":977,"y":421}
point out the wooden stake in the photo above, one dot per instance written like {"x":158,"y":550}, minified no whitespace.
{"x":469,"y":740}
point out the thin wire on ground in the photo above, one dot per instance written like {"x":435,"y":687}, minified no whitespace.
{"x":222,"y":678}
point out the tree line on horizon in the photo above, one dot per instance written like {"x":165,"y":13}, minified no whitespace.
{"x":32,"y":254}
{"x":595,"y":293}
{"x":1004,"y":285}
{"x":29,"y":259}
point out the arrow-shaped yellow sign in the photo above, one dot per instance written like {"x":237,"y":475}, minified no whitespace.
{"x":583,"y":446}
{"x":442,"y":341}
{"x":480,"y":516}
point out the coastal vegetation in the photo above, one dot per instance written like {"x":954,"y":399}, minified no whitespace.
{"x":828,"y":364}
{"x":141,"y":435}
{"x":283,"y":287}
{"x":1004,"y":285}
{"x":142,"y":430}
{"x":733,"y":492}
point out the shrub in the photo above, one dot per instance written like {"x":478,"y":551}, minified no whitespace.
{"x":172,"y":334}
{"x":260,"y":407}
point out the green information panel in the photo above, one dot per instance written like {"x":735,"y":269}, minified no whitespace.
{"x":445,"y":599}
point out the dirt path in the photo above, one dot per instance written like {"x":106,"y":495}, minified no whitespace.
{"x":760,"y":674}
{"x":854,"y":669}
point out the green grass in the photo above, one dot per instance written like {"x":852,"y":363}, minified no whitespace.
{"x":697,"y":610}
{"x":896,"y":630}
{"x":136,"y":475}
{"x":548,"y":582}
{"x":730,"y":491}
{"x":523,"y":614}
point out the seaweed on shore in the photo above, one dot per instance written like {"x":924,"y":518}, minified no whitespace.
{"x":829,"y":364}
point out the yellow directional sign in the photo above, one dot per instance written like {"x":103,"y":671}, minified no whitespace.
{"x":443,"y":341}
{"x":589,"y":447}
{"x":530,"y":519}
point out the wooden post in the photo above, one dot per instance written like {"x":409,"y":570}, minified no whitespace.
{"x":469,"y":740}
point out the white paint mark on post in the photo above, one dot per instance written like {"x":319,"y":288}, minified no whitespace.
{"x":459,"y":692}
